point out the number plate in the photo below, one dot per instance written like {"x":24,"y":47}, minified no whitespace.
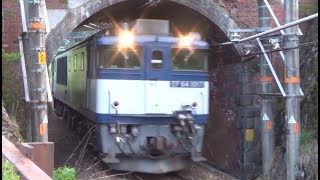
{"x":42,"y":57}
{"x":187,"y":84}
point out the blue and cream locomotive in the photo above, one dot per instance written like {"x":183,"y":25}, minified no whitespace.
{"x":145,"y":91}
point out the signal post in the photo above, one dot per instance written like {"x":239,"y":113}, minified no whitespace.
{"x":36,"y":67}
{"x":292,"y":80}
{"x":36,"y":83}
{"x":266,"y":83}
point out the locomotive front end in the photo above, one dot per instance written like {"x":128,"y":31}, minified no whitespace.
{"x":156,"y":89}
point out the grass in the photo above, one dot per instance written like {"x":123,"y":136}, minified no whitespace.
{"x":8,"y":171}
{"x":308,"y":160}
{"x":306,"y":140}
{"x":10,"y":89}
{"x":64,"y":173}
{"x":308,"y":8}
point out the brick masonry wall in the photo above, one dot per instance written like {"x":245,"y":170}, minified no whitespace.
{"x":244,"y":12}
{"x":11,"y":21}
{"x":11,"y":24}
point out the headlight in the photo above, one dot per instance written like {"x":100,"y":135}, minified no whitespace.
{"x":185,"y":41}
{"x":126,"y":39}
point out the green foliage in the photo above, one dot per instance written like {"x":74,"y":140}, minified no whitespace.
{"x":7,"y":57}
{"x":7,"y":13}
{"x":8,"y":172}
{"x":63,"y":1}
{"x":10,"y":91}
{"x":64,"y":173}
{"x":306,"y":137}
{"x":308,"y":8}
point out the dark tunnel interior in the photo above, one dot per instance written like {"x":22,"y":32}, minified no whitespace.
{"x":181,"y":18}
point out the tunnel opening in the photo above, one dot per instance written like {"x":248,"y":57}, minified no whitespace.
{"x":224,"y":139}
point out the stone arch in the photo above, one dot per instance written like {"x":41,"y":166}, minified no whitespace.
{"x":232,"y":85}
{"x":209,"y":9}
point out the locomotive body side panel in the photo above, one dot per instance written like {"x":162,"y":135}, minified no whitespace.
{"x":77,"y":77}
{"x":74,"y":70}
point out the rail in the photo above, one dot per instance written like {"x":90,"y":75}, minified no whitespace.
{"x":26,"y":168}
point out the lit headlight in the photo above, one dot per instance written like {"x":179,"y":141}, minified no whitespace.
{"x":126,"y":39}
{"x":185,"y":41}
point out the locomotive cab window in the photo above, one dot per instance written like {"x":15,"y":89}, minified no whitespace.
{"x":62,"y":71}
{"x":82,"y":61}
{"x":55,"y":66}
{"x":157,"y":59}
{"x":75,"y":62}
{"x":111,"y":58}
{"x":184,"y":59}
{"x":69,"y":63}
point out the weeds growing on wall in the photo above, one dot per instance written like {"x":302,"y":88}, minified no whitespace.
{"x":308,"y":9}
{"x":10,"y":91}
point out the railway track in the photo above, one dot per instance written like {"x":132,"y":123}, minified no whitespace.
{"x":195,"y":172}
{"x":88,"y":166}
{"x":203,"y":171}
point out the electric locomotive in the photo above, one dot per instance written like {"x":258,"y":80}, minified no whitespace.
{"x":146,"y":92}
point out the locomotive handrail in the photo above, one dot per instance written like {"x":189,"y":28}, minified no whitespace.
{"x":26,"y":168}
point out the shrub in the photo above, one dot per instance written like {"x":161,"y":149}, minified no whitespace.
{"x":10,"y":90}
{"x":64,"y":173}
{"x":8,"y":172}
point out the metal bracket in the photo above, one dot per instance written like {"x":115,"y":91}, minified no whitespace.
{"x":282,"y":56}
{"x":38,"y":30}
{"x":235,"y":37}
{"x":39,"y":108}
{"x":38,"y":49}
{"x":39,"y":70}
{"x":36,"y":19}
{"x":271,"y":68}
{"x":39,"y":90}
{"x":34,"y":1}
{"x":275,"y":43}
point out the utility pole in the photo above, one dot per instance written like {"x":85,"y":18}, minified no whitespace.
{"x":292,"y":80}
{"x":36,"y":69}
{"x":266,"y":80}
